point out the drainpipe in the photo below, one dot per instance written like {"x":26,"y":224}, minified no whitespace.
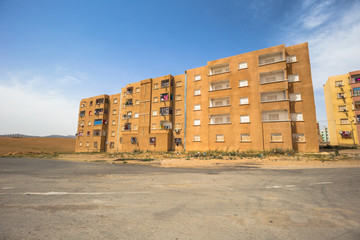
{"x":185,"y":111}
{"x":118,"y":131}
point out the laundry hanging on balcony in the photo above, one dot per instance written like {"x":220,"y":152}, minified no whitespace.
{"x":345,"y":134}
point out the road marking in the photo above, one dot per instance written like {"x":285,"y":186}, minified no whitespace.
{"x":6,"y":188}
{"x":273,"y":187}
{"x":320,"y":183}
{"x":80,"y":193}
{"x":290,"y":186}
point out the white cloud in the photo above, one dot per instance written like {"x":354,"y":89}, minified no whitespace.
{"x":315,"y":14}
{"x":334,"y":46}
{"x":69,"y":80}
{"x":30,"y":109}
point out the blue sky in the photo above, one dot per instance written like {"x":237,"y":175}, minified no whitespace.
{"x":54,"y":53}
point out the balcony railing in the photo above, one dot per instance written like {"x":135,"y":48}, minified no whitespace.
{"x":275,"y":116}
{"x":219,"y":69}
{"x":271,"y":58}
{"x":273,"y":96}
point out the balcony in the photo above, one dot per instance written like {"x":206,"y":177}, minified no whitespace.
{"x":223,"y":68}
{"x":82,"y":114}
{"x":275,"y":116}
{"x":165,"y":83}
{"x":127,"y":127}
{"x":165,"y":125}
{"x":220,"y":102}
{"x":128,"y":102}
{"x":220,"y":85}
{"x":99,"y":101}
{"x":165,"y":111}
{"x":273,"y":96}
{"x":166,"y":97}
{"x":99,"y":111}
{"x":270,"y":58}
{"x":129,"y":90}
{"x":272,"y":77}
{"x":98,"y":122}
{"x":220,"y":119}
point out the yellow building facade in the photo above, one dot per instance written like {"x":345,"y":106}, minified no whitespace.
{"x":342,"y":99}
{"x":260,"y":100}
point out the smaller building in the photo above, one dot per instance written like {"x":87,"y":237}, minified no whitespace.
{"x":342,"y":100}
{"x":324,"y":133}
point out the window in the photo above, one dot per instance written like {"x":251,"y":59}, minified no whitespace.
{"x":87,"y":144}
{"x":80,"y":144}
{"x":137,"y":102}
{"x":197,"y":77}
{"x":115,"y":100}
{"x":155,"y":99}
{"x":296,"y":117}
{"x":178,"y":112}
{"x":178,"y":97}
{"x":219,"y":85}
{"x":243,"y":65}
{"x":165,"y":111}
{"x":155,"y":113}
{"x":129,"y":115}
{"x":197,"y":138}
{"x":344,"y":121}
{"x":99,"y":101}
{"x":295,"y":97}
{"x":89,"y":123}
{"x":113,"y":122}
{"x":219,"y":138}
{"x":133,"y":140}
{"x":197,"y":122}
{"x":156,"y":86}
{"x":88,"y":133}
{"x":245,"y":137}
{"x":197,"y":107}
{"x":243,"y":83}
{"x":136,"y":115}
{"x":112,"y":144}
{"x":81,"y":133}
{"x":220,"y":102}
{"x":357,"y":105}
{"x":165,"y":83}
{"x":356,"y":91}
{"x":276,"y":137}
{"x":153,"y":126}
{"x":83,"y":104}
{"x":342,"y":108}
{"x":165,"y":125}
{"x":179,"y":84}
{"x":219,"y":69}
{"x":244,"y":119}
{"x":341,"y":95}
{"x":97,"y":122}
{"x":338,"y":83}
{"x":177,"y":141}
{"x":153,"y":140}
{"x":293,"y":78}
{"x":114,"y":111}
{"x":298,"y":137}
{"x":90,"y":113}
{"x":137,"y":90}
{"x":197,"y":92}
{"x":178,"y":126}
{"x":244,"y":100}
{"x":291,"y":59}
{"x":82,"y":114}
{"x":135,"y":128}
{"x":95,"y":144}
{"x":113,"y":133}
{"x":220,"y":119}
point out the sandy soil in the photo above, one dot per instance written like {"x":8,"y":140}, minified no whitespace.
{"x":323,"y":160}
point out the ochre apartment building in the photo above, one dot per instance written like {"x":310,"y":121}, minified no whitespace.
{"x":260,"y":100}
{"x":342,"y":99}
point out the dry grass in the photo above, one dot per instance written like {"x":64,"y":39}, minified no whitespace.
{"x":36,"y":144}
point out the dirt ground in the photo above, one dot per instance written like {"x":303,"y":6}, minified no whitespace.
{"x":343,"y":159}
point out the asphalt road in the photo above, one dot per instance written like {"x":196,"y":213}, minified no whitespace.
{"x":49,"y":199}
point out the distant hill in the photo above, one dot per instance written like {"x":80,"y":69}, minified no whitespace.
{"x":17,"y":135}
{"x":61,"y":136}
